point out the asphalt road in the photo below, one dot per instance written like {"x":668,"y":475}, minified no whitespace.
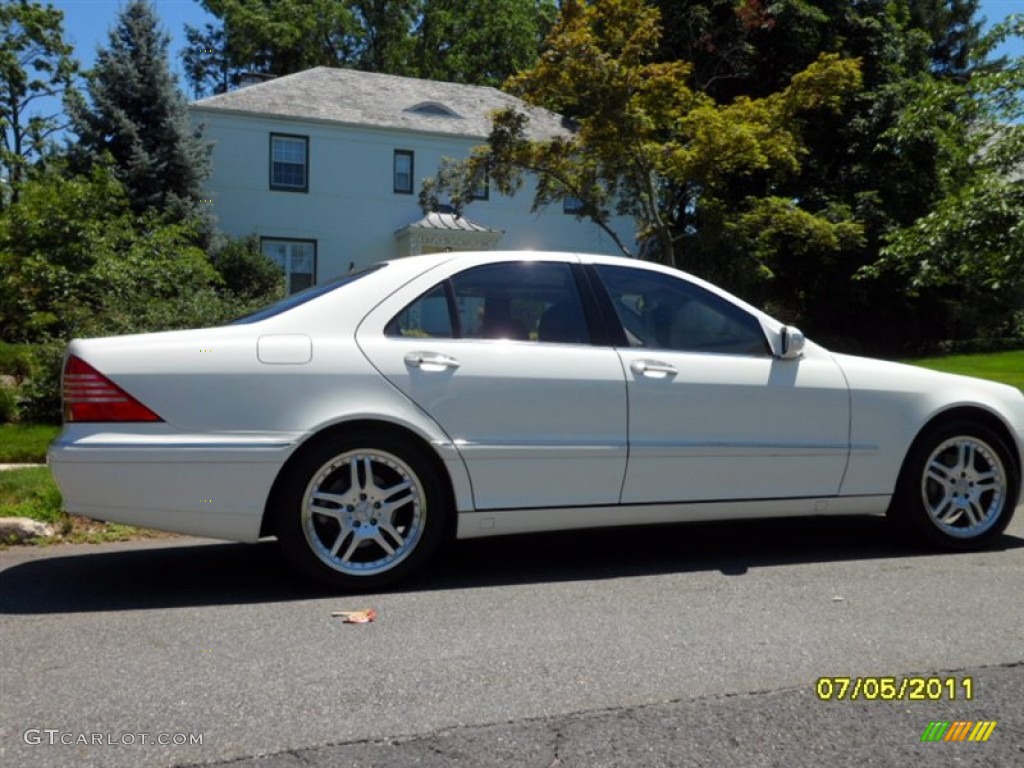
{"x":671,"y":646}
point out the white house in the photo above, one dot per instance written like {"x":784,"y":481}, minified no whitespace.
{"x":325,"y":166}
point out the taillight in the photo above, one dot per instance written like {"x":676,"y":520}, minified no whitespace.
{"x":91,"y":396}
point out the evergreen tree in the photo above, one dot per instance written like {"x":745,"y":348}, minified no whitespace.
{"x":140,"y":118}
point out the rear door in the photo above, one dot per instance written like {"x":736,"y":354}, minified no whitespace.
{"x":500,"y":355}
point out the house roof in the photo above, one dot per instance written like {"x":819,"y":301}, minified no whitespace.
{"x":450,"y":222}
{"x":352,"y":97}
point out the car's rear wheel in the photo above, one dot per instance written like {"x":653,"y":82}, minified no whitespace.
{"x":360,"y":513}
{"x":958,"y":487}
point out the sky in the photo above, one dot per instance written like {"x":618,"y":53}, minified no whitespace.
{"x":87,"y":23}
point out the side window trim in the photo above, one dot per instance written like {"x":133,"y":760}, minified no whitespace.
{"x":605,"y":328}
{"x":453,"y":308}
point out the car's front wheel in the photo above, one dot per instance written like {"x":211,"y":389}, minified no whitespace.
{"x":360,"y":513}
{"x":958,"y":487}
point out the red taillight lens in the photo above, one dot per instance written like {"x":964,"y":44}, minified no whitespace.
{"x":91,"y":396}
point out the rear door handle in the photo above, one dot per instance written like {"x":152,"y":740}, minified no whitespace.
{"x":654,"y":369}
{"x":431,"y":361}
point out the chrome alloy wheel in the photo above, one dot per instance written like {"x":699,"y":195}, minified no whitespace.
{"x":363,"y":512}
{"x":964,"y":486}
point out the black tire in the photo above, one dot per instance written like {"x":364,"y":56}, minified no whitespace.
{"x":958,"y":487}
{"x":365,"y":534}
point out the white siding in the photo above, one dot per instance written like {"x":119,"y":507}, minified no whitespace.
{"x":351,"y":210}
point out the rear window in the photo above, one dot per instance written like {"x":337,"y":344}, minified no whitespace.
{"x":308,"y":294}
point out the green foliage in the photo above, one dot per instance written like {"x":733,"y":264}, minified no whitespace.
{"x":272,"y":37}
{"x":247,"y":274}
{"x":646,"y":143}
{"x":8,"y":403}
{"x":15,"y":360}
{"x":26,"y":443}
{"x":39,"y":396}
{"x":139,"y":118}
{"x":970,"y":245}
{"x":35,"y":63}
{"x":480,"y":43}
{"x":30,"y":493}
{"x":15,"y":368}
{"x":774,"y":225}
{"x":75,"y":260}
{"x":953,"y":29}
{"x":972,"y":238}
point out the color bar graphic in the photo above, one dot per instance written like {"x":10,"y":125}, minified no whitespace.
{"x":958,"y":730}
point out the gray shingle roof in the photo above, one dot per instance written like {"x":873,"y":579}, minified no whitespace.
{"x":384,"y":101}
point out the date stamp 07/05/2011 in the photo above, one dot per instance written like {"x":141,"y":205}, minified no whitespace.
{"x":894,"y":688}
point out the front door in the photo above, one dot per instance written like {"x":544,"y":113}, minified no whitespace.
{"x":712,"y":414}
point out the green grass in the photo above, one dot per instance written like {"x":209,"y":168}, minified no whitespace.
{"x":1006,"y":367}
{"x":32,"y":493}
{"x":25,"y":442}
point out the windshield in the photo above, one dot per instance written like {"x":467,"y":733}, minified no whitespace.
{"x":290,"y":302}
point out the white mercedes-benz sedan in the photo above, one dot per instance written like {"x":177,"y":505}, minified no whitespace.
{"x":366,"y":419}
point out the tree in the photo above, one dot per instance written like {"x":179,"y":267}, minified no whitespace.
{"x":480,"y":43}
{"x":969,"y":246}
{"x":77,"y":261}
{"x":853,"y":166}
{"x":385,"y":42}
{"x":269,"y":37}
{"x":139,"y":117}
{"x":954,"y":31}
{"x":646,"y":144}
{"x":35,"y":64}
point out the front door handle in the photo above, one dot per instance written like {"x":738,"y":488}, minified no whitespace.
{"x":430,"y":361}
{"x":654,"y":369}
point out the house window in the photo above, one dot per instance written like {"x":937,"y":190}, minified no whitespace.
{"x":403,"y":171}
{"x":572,"y":205}
{"x":482,"y":189}
{"x":289,"y":159}
{"x":296,"y":257}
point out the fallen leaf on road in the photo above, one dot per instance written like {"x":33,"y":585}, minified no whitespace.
{"x":364,"y":616}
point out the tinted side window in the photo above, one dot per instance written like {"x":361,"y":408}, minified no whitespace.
{"x":663,"y":312}
{"x":427,"y":317}
{"x":525,"y":301}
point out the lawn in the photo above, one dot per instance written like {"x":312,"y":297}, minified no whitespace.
{"x":32,"y":493}
{"x":1007,"y":367}
{"x":25,"y":443}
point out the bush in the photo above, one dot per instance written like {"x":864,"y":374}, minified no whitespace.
{"x":8,"y":404}
{"x":15,"y":363}
{"x":246,"y":272}
{"x":40,"y":395}
{"x":15,"y":360}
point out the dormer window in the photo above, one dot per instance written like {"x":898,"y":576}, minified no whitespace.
{"x":433,"y":109}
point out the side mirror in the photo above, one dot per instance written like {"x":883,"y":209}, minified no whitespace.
{"x":792,"y":343}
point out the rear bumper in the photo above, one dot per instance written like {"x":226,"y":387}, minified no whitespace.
{"x":199,"y":484}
